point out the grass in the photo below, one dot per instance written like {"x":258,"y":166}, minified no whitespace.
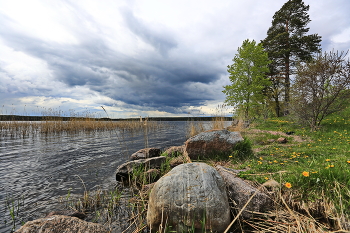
{"x":314,"y":172}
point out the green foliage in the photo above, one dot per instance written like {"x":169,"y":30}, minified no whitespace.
{"x":247,"y":75}
{"x":243,"y":150}
{"x":287,"y":43}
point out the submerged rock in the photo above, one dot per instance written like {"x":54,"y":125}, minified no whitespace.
{"x":59,"y":224}
{"x":126,"y":169}
{"x":146,"y":153}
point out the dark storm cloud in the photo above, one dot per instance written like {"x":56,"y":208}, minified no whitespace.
{"x":152,"y":80}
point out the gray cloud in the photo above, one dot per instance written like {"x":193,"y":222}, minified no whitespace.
{"x":171,"y":75}
{"x":162,"y":40}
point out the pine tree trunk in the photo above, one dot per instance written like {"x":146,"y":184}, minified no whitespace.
{"x":287,"y":88}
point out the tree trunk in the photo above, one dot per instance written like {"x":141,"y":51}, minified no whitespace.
{"x":277,"y":107}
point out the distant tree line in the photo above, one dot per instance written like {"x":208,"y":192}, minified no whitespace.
{"x":287,"y":74}
{"x":58,"y":118}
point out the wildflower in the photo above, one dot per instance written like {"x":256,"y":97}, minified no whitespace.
{"x":348,"y":161}
{"x":288,"y":185}
{"x":261,"y":158}
{"x":306,"y":174}
{"x":296,"y":161}
{"x":266,"y":178}
{"x":331,"y":165}
{"x":230,"y":156}
{"x":259,"y":162}
{"x":327,"y":160}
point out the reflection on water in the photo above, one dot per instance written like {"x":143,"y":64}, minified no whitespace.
{"x":35,"y":171}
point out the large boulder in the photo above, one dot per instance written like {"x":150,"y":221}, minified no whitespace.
{"x":191,"y":194}
{"x":212,"y":143}
{"x":145,"y":153}
{"x":126,"y":169}
{"x":240,"y":191}
{"x":61,"y":223}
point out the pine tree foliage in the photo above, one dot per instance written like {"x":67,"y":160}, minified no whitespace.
{"x":287,"y":42}
{"x":247,"y":75}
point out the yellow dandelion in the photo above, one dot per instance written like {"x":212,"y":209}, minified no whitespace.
{"x":259,"y":162}
{"x":328,"y":160}
{"x":266,"y":178}
{"x":230,"y":156}
{"x":288,"y":185}
{"x":306,"y":174}
{"x":348,"y":161}
{"x":331,"y":165}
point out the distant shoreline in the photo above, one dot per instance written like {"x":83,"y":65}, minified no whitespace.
{"x":59,"y":118}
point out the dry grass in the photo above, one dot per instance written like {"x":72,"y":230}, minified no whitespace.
{"x":26,"y":128}
{"x":194,"y":128}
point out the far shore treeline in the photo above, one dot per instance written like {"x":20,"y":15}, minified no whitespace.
{"x":59,"y":118}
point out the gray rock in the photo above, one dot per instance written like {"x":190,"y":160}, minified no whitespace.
{"x":240,"y":191}
{"x":186,"y":196}
{"x":213,"y":142}
{"x":59,"y":224}
{"x":126,"y":169}
{"x":145,"y":153}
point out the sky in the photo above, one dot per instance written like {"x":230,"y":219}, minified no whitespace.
{"x":136,"y":58}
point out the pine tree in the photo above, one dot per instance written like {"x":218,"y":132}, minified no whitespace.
{"x":247,"y":75}
{"x":287,"y":42}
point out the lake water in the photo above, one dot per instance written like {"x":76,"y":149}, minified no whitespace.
{"x":36,"y":171}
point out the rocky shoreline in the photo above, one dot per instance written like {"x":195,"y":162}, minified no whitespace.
{"x":190,"y":195}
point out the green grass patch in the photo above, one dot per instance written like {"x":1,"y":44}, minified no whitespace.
{"x":318,"y":167}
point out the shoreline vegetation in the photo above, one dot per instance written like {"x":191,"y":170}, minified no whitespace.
{"x":312,"y":171}
{"x":61,"y":118}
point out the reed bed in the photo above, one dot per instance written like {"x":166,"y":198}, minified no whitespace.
{"x":15,"y":129}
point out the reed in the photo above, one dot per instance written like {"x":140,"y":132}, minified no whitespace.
{"x":16,"y":129}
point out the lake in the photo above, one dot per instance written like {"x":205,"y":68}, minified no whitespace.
{"x":39,"y":169}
